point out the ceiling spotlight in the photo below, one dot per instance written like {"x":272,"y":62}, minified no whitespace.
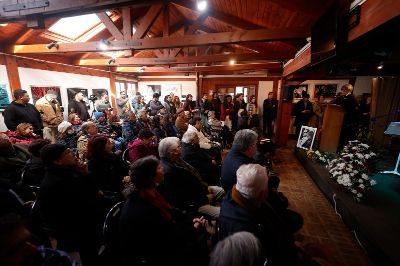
{"x":201,"y":5}
{"x":380,"y":66}
{"x":104,"y":44}
{"x":51,"y":45}
{"x":111,"y":61}
{"x":232,"y":62}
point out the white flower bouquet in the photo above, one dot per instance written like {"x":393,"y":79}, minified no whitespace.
{"x":353,"y":167}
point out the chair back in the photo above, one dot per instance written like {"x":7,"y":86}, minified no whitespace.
{"x":110,"y":226}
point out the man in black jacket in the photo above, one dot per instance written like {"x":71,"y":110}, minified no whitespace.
{"x":303,"y":110}
{"x":21,"y":111}
{"x":270,"y":109}
{"x":78,"y":106}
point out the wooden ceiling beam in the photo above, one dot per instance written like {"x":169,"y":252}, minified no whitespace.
{"x":126,"y":23}
{"x":310,"y":8}
{"x":166,"y":25}
{"x":298,"y":63}
{"x":110,"y":26}
{"x":10,"y":10}
{"x":264,"y":35}
{"x":228,"y":19}
{"x":147,"y":21}
{"x":25,"y":35}
{"x":272,"y":66}
{"x":184,"y":60}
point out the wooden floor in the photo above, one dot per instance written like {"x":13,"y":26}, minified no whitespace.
{"x":321,"y":224}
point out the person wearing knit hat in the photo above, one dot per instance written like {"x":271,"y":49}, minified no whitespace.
{"x":64,"y":126}
{"x":52,"y":152}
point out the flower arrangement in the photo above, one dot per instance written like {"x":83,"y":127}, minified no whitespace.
{"x":322,"y":158}
{"x":353,"y":167}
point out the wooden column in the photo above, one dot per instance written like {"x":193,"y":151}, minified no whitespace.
{"x":113,"y":90}
{"x":12,"y":73}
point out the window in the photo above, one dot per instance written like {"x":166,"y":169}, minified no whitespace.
{"x":73,"y":27}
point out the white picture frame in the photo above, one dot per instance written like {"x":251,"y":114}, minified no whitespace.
{"x":176,"y":89}
{"x":306,"y":137}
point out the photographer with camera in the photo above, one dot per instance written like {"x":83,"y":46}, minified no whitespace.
{"x":78,"y":106}
{"x":50,"y":111}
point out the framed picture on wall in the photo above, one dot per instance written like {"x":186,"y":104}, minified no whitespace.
{"x":326,"y":90}
{"x":306,"y":137}
{"x":299,"y":90}
{"x":4,"y":100}
{"x":176,"y":89}
{"x":39,"y":91}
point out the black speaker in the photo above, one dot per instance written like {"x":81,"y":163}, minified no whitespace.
{"x":287,"y":95}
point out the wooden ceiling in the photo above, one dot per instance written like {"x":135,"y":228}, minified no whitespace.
{"x":171,"y":36}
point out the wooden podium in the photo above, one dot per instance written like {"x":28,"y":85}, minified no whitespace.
{"x":331,"y":128}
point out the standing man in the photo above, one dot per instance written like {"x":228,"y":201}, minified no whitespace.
{"x":78,"y":106}
{"x":123,"y":105}
{"x":50,"y":110}
{"x":303,"y":111}
{"x":155,"y":104}
{"x":270,"y":109}
{"x":21,"y":111}
{"x":103,"y":104}
{"x":350,"y":105}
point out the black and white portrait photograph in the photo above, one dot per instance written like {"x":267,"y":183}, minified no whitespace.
{"x":306,"y":137}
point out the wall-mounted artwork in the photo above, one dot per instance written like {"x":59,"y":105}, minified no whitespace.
{"x":326,"y":90}
{"x":174,"y":88}
{"x":4,"y":100}
{"x":39,"y":91}
{"x":299,"y":90}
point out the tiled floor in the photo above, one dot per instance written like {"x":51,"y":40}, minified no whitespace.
{"x":321,"y":224}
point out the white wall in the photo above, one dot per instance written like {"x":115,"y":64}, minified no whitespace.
{"x":188,"y":87}
{"x":36,"y":77}
{"x":264,"y":87}
{"x":363,"y":85}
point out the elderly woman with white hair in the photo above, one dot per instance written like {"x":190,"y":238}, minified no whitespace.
{"x":199,"y":159}
{"x":183,"y":186}
{"x":67,"y":135}
{"x":245,"y":209}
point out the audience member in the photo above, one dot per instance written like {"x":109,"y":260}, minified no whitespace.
{"x":33,"y":172}
{"x":181,"y":123}
{"x":67,"y":135}
{"x":169,"y":126}
{"x":183,"y":186}
{"x":243,"y":150}
{"x":23,"y":134}
{"x":239,"y":249}
{"x":177,"y":102}
{"x":158,"y":128}
{"x":21,"y":111}
{"x":140,"y":147}
{"x":78,"y":106}
{"x":187,"y":106}
{"x":88,"y":129}
{"x":270,"y":110}
{"x":50,"y":110}
{"x":155,"y":104}
{"x":252,"y":112}
{"x":76,"y":122}
{"x":106,"y":168}
{"x":244,"y":209}
{"x":149,"y":231}
{"x":130,"y":128}
{"x":199,"y":159}
{"x":303,"y":110}
{"x":239,"y":117}
{"x":169,"y":105}
{"x":103,"y":104}
{"x":227,"y":111}
{"x":216,"y":102}
{"x":139,"y":105}
{"x":123,"y":105}
{"x":11,"y":164}
{"x":67,"y":202}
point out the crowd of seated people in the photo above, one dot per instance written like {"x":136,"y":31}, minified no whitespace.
{"x":169,"y":188}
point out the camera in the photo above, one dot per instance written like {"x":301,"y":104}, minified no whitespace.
{"x":92,"y":97}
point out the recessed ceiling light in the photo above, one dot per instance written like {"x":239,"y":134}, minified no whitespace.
{"x":201,"y":5}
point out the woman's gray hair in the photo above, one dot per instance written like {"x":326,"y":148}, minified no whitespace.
{"x":86,"y":125}
{"x":241,"y":248}
{"x":167,"y":145}
{"x":244,"y":139}
{"x":188,"y":136}
{"x":252,"y":179}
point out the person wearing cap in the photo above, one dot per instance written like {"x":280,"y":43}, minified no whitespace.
{"x":88,"y":129}
{"x":21,"y":111}
{"x":66,"y":201}
{"x":244,"y":209}
{"x":155,"y":104}
{"x":50,"y":110}
{"x":67,"y":135}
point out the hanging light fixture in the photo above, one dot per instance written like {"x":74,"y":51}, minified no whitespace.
{"x":201,"y":5}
